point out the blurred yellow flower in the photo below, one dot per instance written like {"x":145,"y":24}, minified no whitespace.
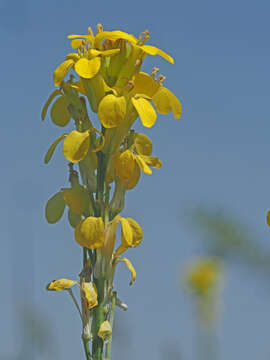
{"x":203,"y":275}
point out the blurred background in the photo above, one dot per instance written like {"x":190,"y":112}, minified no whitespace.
{"x":210,"y":197}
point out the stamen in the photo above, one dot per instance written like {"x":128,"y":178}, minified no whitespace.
{"x":154,"y":72}
{"x":146,"y":36}
{"x":90,"y":31}
{"x":161,"y":79}
{"x":99,"y":28}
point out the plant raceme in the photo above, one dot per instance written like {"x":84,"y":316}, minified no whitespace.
{"x":103,"y":74}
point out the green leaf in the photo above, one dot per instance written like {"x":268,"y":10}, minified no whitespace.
{"x":73,"y":218}
{"x":55,"y":208}
{"x":76,"y":198}
{"x":59,"y":112}
{"x":50,"y":152}
{"x":48,"y":102}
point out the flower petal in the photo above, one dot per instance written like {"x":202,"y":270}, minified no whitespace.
{"x":124,"y":165}
{"x":90,"y":232}
{"x":132,"y":234}
{"x":145,"y":84}
{"x":55,"y":208}
{"x":152,"y":50}
{"x":61,"y":71}
{"x":59,"y":112}
{"x":73,"y":56}
{"x":145,"y":111}
{"x":133,"y":181}
{"x":165,"y":101}
{"x":112,"y":110}
{"x":60,"y":284}
{"x":50,"y":152}
{"x":76,"y":43}
{"x":76,"y":145}
{"x":90,"y":293}
{"x":105,"y":331}
{"x":142,"y":144}
{"x":48,"y":102}
{"x":130,"y":268}
{"x":113,"y":35}
{"x":87,"y":69}
{"x":110,"y":52}
{"x":142,"y":164}
{"x":152,"y":161}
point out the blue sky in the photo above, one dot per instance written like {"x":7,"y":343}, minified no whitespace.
{"x":217,"y":155}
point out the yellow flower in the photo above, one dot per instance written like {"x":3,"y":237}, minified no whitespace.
{"x":105,"y":331}
{"x":138,"y":43}
{"x":90,"y":232}
{"x":203,"y":275}
{"x":86,"y":63}
{"x":131,"y":235}
{"x":129,"y":163}
{"x":60,"y":284}
{"x":146,"y":89}
{"x":90,"y":294}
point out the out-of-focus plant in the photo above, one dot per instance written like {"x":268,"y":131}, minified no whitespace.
{"x":203,"y":278}
{"x":111,"y":158}
{"x":228,"y":237}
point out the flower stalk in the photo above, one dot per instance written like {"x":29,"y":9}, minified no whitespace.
{"x":105,"y":77}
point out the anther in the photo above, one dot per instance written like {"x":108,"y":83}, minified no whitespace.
{"x":154,"y":72}
{"x":99,"y":28}
{"x":161,"y":79}
{"x":90,"y":31}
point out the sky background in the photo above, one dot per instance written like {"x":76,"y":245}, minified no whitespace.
{"x":216,"y":155}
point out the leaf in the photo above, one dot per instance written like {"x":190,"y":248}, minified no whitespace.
{"x":59,"y":112}
{"x":55,"y":208}
{"x":51,"y":149}
{"x":48,"y":102}
{"x":76,"y":145}
{"x":76,"y":198}
{"x":73,"y":218}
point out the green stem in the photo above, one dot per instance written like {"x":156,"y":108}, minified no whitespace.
{"x":86,"y":349}
{"x":109,"y":344}
{"x":75,"y":302}
{"x":98,"y":318}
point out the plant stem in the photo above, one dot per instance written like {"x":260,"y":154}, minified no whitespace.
{"x":86,"y":349}
{"x":75,"y":301}
{"x":109,"y":344}
{"x":98,"y":318}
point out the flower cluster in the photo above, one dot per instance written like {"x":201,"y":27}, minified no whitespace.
{"x":104,"y":75}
